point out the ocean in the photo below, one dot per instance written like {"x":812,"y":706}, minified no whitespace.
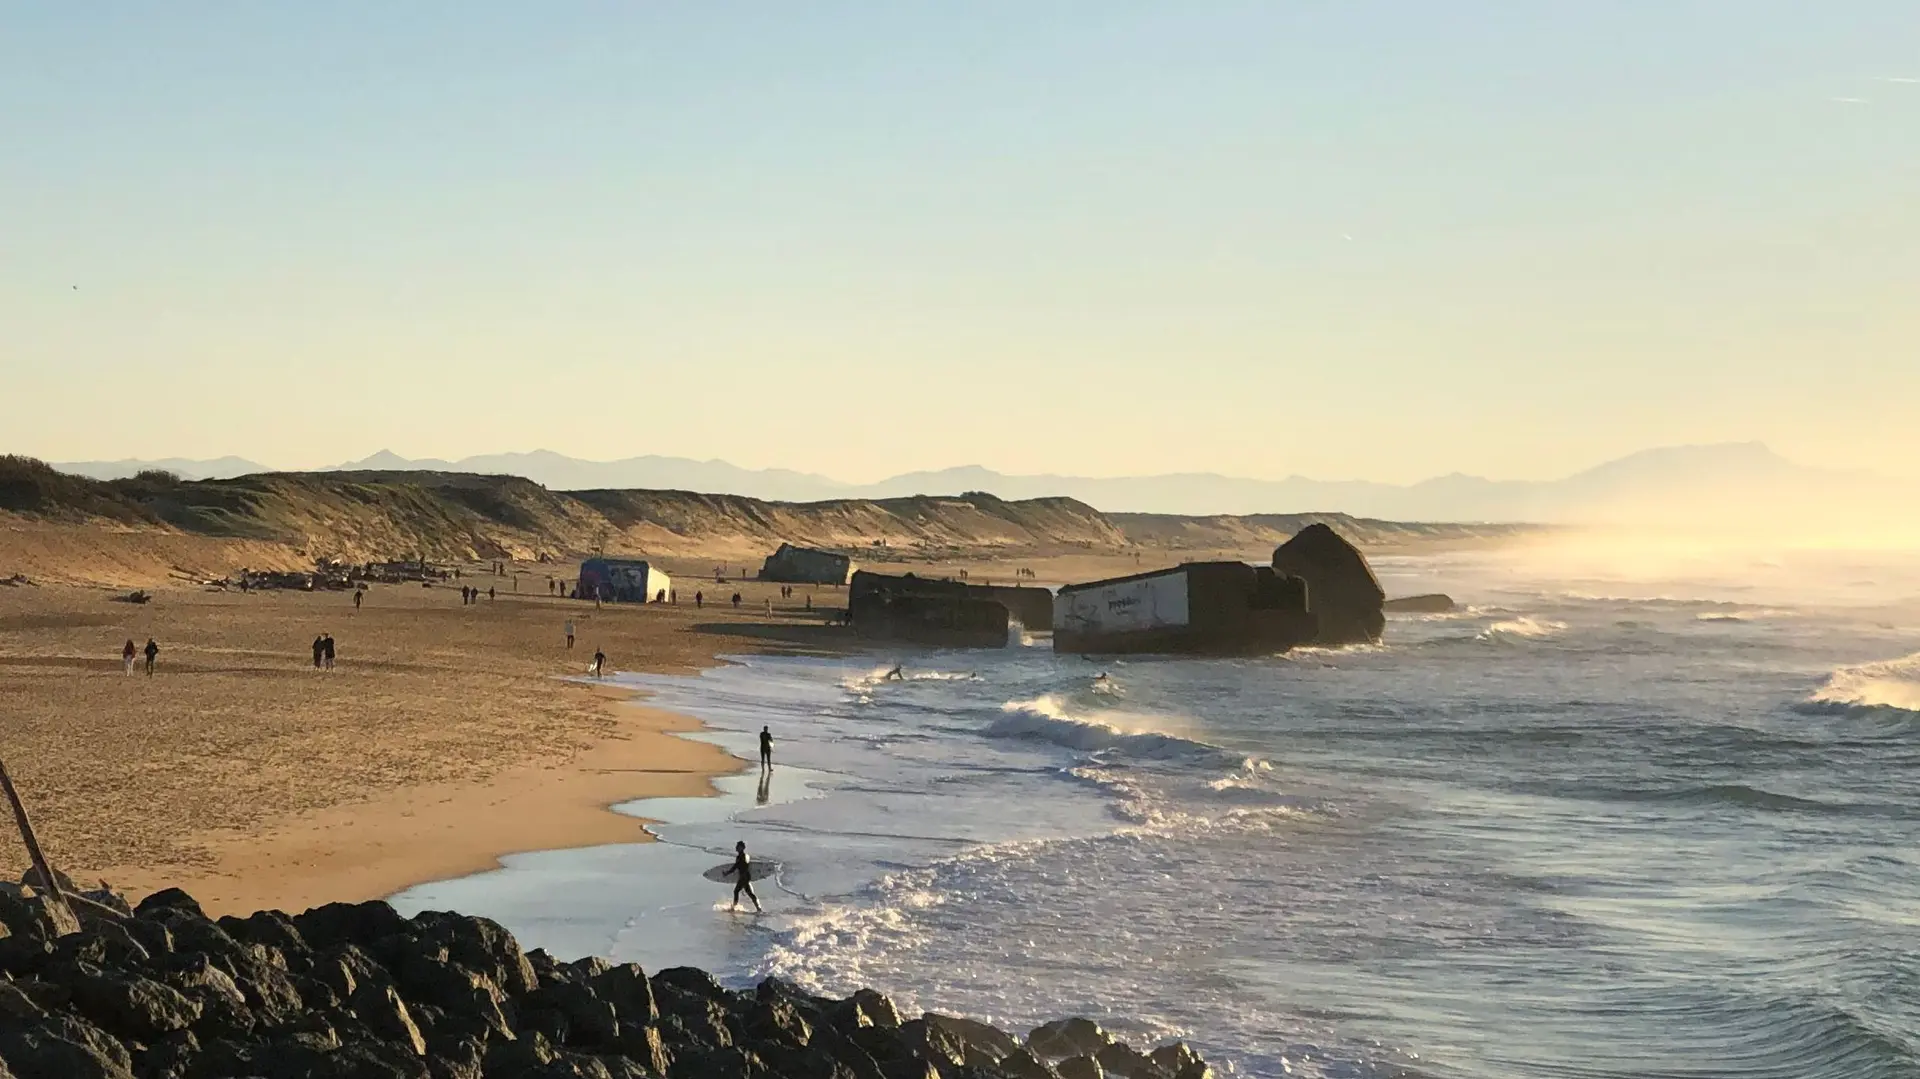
{"x":1649,"y":815}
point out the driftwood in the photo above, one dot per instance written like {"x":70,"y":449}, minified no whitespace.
{"x":62,"y":914}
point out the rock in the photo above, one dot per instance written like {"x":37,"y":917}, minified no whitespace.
{"x":1432,"y":603}
{"x":31,"y":879}
{"x":20,"y":956}
{"x":108,"y":898}
{"x":168,"y":1056}
{"x":25,"y":916}
{"x":1128,"y":1063}
{"x":372,"y":1060}
{"x":934,"y":1045}
{"x":270,"y":929}
{"x":691,"y":981}
{"x":729,"y":1062}
{"x":462,"y":1059}
{"x":169,"y":899}
{"x":1021,"y":1064}
{"x":775,"y":1019}
{"x":129,"y":1005}
{"x":897,"y":1057}
{"x":223,"y":1007}
{"x":334,"y":924}
{"x":589,"y":1021}
{"x":1342,"y":592}
{"x":1067,"y":1038}
{"x":644,"y":1044}
{"x":63,"y":1047}
{"x":874,"y":1009}
{"x":1175,"y":1057}
{"x":479,"y":944}
{"x":384,"y":1013}
{"x":984,"y":1043}
{"x":524,"y":1056}
{"x":626,"y":987}
{"x":1079,"y":1068}
{"x":16,"y":1006}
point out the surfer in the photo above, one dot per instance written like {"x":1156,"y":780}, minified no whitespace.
{"x":599,"y":662}
{"x":766,"y":749}
{"x":742,"y":874}
{"x":898,"y":674}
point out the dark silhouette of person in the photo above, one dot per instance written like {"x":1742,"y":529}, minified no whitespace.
{"x":699,"y":600}
{"x":153,"y":653}
{"x":489,"y":593}
{"x":357,"y":594}
{"x":898,"y":674}
{"x":326,"y":650}
{"x":766,"y":748}
{"x":599,"y":662}
{"x":742,"y":873}
{"x":736,"y":601}
{"x":319,"y":647}
{"x":127,"y":654}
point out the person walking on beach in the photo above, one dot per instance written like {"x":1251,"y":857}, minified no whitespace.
{"x":319,"y":646}
{"x":127,"y":654}
{"x":736,"y":601}
{"x":699,"y":600}
{"x":599,"y":662}
{"x":357,"y":596}
{"x":326,"y":650}
{"x":489,"y":593}
{"x":766,"y":749}
{"x":742,"y":874}
{"x":153,"y":653}
{"x":569,"y":633}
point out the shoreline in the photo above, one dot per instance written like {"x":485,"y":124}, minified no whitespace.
{"x":430,"y":832}
{"x":451,"y":735}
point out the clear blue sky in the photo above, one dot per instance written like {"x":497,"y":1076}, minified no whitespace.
{"x":1377,"y":238}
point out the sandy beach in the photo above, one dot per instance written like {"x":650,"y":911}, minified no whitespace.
{"x":446,"y":736}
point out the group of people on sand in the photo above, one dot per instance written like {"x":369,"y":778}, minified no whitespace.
{"x":323,"y":652}
{"x":470,"y":595}
{"x":130,"y":655}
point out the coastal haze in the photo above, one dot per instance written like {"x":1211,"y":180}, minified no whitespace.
{"x":1572,"y":346}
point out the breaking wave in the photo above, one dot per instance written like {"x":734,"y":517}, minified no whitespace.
{"x":1047,"y":718}
{"x":1890,"y":685}
{"x":1525,"y":626}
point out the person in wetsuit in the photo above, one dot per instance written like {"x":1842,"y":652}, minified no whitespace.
{"x":766,"y":749}
{"x":742,"y":873}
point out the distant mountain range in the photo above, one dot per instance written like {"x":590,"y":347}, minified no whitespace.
{"x":1720,"y":481}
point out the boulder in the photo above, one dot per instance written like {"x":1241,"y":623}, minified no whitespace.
{"x":1342,"y":592}
{"x":627,"y":989}
{"x":1021,"y":1064}
{"x":169,"y":899}
{"x":129,"y":1005}
{"x":984,"y":1044}
{"x":1079,"y":1068}
{"x":64,"y":1046}
{"x":334,"y":924}
{"x":1175,"y":1057}
{"x":1431,"y":603}
{"x":1067,"y":1038}
{"x":386,"y":1015}
{"x":1128,"y":1063}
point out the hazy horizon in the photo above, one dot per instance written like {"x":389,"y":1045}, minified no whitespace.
{"x":1379,"y":241}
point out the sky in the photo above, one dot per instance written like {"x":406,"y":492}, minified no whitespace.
{"x":1378,"y":239}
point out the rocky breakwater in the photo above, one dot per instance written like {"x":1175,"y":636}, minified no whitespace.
{"x":355,"y":991}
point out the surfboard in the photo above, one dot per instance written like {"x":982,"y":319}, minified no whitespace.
{"x":723,"y":873}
